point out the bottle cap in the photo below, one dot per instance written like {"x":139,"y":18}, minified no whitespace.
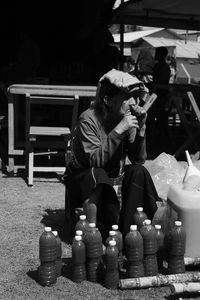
{"x":112,"y":243}
{"x":82,"y":217}
{"x":178,"y":223}
{"x":78,"y":237}
{"x":133,"y":227}
{"x":147,"y":222}
{"x":139,"y":208}
{"x":157,"y":226}
{"x":79,"y":232}
{"x":47,"y":229}
{"x":115,"y":227}
{"x":112,"y":233}
{"x":92,"y":225}
{"x":55,"y":232}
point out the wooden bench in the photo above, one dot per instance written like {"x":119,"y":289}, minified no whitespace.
{"x":35,"y":133}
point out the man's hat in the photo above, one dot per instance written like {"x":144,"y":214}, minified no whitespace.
{"x":123,"y":81}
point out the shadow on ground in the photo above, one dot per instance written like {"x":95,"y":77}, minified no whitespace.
{"x":185,"y":295}
{"x":67,"y":267}
{"x":65,"y":272}
{"x":33,"y":274}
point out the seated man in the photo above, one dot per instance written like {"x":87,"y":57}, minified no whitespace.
{"x":110,"y":130}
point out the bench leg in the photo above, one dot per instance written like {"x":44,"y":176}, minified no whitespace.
{"x":30,"y":165}
{"x":11,"y":164}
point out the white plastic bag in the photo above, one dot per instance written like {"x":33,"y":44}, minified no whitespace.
{"x":164,"y":170}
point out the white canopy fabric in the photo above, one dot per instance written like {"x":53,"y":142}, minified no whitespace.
{"x":180,"y":14}
{"x":135,"y":35}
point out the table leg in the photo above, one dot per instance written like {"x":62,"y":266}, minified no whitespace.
{"x":10,"y":132}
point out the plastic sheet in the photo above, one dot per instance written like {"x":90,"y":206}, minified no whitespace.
{"x":164,"y":170}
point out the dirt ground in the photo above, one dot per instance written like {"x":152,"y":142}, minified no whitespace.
{"x":24,"y":213}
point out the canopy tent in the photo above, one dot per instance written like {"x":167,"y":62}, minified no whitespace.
{"x":181,"y":14}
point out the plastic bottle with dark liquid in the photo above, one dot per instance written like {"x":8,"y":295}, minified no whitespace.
{"x":148,"y":233}
{"x":112,"y":237}
{"x":160,"y":246}
{"x":150,"y":265}
{"x":78,"y":232}
{"x":82,"y":225}
{"x":94,"y":251}
{"x":90,"y":210}
{"x":119,"y":244}
{"x":47,"y":272}
{"x":139,"y":217}
{"x":111,"y":262}
{"x":177,"y":249}
{"x":178,"y":238}
{"x":176,"y":265}
{"x":134,"y":253}
{"x":78,"y":260}
{"x":59,"y":254}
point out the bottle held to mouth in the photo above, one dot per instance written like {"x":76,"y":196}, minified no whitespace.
{"x":137,"y":111}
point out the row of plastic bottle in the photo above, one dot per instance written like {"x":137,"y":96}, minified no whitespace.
{"x":141,"y":251}
{"x":150,"y":246}
{"x":50,"y":255}
{"x":170,"y":247}
{"x":144,"y":247}
{"x":87,"y":256}
{"x":87,"y":251}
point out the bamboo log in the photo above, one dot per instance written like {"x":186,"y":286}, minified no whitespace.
{"x":191,"y":261}
{"x":156,"y":281}
{"x":190,"y":287}
{"x":188,"y":261}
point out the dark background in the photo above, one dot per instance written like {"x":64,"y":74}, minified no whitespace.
{"x":67,"y":32}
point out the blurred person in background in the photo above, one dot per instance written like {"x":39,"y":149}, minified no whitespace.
{"x":171,"y":60}
{"x":159,"y":115}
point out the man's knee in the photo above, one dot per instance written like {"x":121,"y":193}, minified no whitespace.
{"x":136,"y":169}
{"x":101,"y":176}
{"x":100,"y":172}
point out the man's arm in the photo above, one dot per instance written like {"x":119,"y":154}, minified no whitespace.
{"x":137,"y":150}
{"x":98,"y":148}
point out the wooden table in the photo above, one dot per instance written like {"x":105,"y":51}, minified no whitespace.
{"x":14,"y":92}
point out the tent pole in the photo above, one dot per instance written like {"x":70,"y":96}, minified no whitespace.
{"x":187,"y":74}
{"x":186,"y":36}
{"x":121,"y":34}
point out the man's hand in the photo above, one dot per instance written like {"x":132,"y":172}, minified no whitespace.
{"x":129,"y":121}
{"x":140,"y":113}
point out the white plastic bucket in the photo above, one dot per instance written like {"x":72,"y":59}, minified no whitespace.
{"x":184,"y":205}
